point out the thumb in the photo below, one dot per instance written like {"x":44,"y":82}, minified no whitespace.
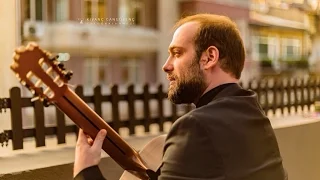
{"x":98,"y":141}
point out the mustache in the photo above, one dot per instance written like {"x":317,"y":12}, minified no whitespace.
{"x":171,"y":77}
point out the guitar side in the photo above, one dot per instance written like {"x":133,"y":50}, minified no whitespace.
{"x":151,"y":154}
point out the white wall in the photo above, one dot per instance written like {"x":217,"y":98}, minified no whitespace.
{"x":8,"y":42}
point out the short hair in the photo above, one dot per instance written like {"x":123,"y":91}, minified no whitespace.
{"x":221,"y":32}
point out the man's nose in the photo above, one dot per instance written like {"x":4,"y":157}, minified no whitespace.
{"x":168,"y":66}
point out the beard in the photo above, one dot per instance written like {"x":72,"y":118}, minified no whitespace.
{"x":189,"y":87}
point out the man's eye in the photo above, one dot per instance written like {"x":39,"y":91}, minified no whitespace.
{"x":176,"y":53}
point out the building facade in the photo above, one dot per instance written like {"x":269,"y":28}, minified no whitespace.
{"x":275,"y":41}
{"x":110,"y":41}
{"x":125,"y":41}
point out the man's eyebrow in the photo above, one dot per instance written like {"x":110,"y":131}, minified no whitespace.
{"x":174,"y":47}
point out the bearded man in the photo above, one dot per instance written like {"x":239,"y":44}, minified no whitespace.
{"x":227,"y":136}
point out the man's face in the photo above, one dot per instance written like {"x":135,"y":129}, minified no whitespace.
{"x":182,"y":67}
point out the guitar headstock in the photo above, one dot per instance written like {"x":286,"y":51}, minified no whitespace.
{"x":40,"y":72}
{"x":4,"y":138}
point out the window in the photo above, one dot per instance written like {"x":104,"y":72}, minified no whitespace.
{"x":88,"y":9}
{"x":133,"y":10}
{"x":27,"y":9}
{"x":137,"y":11}
{"x":291,"y":48}
{"x":130,"y":71}
{"x":96,"y":71}
{"x":101,"y":9}
{"x":264,"y":47}
{"x":95,"y":8}
{"x":39,"y":15}
{"x":263,"y":50}
{"x":104,"y":75}
{"x":33,"y":10}
{"x":89,"y":69}
{"x":61,"y":10}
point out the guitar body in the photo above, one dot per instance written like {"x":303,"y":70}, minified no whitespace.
{"x":151,"y":154}
{"x":47,"y":79}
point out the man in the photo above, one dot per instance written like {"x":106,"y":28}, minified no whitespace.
{"x":227,"y":136}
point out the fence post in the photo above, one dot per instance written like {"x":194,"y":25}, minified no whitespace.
{"x":274,"y":91}
{"x":289,"y":99}
{"x":146,"y":99}
{"x":295,"y":89}
{"x":115,"y":108}
{"x":160,"y":108}
{"x":61,"y":126}
{"x":302,"y":94}
{"x":131,"y":108}
{"x":281,"y":95}
{"x":39,"y":123}
{"x":258,"y":91}
{"x":16,"y":118}
{"x":97,"y":100}
{"x":265,"y":89}
{"x":308,"y":87}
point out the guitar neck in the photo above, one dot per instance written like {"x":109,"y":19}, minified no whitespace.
{"x":83,"y":116}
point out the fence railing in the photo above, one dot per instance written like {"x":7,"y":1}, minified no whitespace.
{"x":286,"y":93}
{"x":273,"y":94}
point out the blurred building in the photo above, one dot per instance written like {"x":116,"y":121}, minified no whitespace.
{"x":125,"y":41}
{"x":283,"y":33}
{"x":110,"y":41}
{"x":279,"y":35}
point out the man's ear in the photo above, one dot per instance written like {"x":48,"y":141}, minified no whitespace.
{"x":210,"y":57}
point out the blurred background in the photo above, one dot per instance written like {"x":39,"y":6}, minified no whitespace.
{"x":125,"y":42}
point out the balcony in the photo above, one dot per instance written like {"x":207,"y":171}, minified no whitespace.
{"x":89,"y":39}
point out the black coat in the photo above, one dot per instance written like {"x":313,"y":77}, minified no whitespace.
{"x":230,"y":138}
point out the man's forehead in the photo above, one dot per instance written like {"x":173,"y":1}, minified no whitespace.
{"x":185,"y":34}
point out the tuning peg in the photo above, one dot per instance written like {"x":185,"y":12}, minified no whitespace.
{"x":34,"y":92}
{"x":16,"y":57}
{"x":68,"y":75}
{"x":31,"y":46}
{"x":52,"y":57}
{"x":23,"y":82}
{"x":20,"y":49}
{"x":61,"y":66}
{"x":46,"y":103}
{"x":27,"y":86}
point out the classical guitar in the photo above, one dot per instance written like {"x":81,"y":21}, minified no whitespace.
{"x":46,"y":78}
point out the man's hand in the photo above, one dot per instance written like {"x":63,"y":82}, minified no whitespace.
{"x":88,"y":151}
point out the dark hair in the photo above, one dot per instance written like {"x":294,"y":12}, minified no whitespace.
{"x":221,"y":32}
